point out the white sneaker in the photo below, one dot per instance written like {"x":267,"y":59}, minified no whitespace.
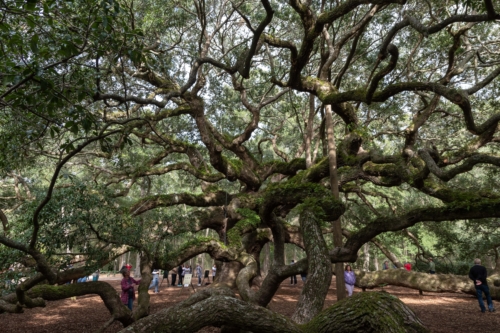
{"x":199,"y":284}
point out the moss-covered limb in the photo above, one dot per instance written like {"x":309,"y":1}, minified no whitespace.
{"x":218,"y":198}
{"x":248,"y":224}
{"x":319,"y":270}
{"x":210,"y":217}
{"x":439,"y":283}
{"x":244,"y":167}
{"x":194,"y":247}
{"x":383,"y":170}
{"x":215,"y":311}
{"x":107,"y":293}
{"x":366,"y":312}
{"x":467,"y":165}
{"x":457,"y":210}
{"x":10,"y":308}
{"x":285,"y":168}
{"x":458,"y":97}
{"x":22,"y":298}
{"x":440,"y":190}
{"x":11,"y":303}
{"x":292,"y":193}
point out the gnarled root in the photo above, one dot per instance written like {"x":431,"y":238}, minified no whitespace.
{"x":374,"y":311}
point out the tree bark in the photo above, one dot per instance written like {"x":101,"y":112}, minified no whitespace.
{"x":366,"y":262}
{"x":227,"y":272}
{"x":364,"y":312}
{"x":334,"y":183}
{"x":107,"y":293}
{"x":319,"y":276}
{"x":367,"y":312}
{"x":309,"y":132}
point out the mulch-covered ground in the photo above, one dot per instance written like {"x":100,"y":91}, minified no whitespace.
{"x":444,"y":313}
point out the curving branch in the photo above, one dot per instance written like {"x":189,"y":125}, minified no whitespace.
{"x":394,"y":52}
{"x":456,"y":96}
{"x":458,"y":210}
{"x":467,"y":165}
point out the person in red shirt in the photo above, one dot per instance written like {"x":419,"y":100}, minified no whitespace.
{"x":408,"y":266}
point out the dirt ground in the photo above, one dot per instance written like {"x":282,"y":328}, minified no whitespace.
{"x":444,"y":313}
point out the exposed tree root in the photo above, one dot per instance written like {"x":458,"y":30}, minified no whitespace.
{"x":365,"y":312}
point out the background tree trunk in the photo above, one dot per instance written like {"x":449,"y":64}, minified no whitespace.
{"x":265,"y":266}
{"x":366,"y":261}
{"x":137,"y":271}
{"x":334,"y":183}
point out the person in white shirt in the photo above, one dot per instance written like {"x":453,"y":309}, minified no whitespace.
{"x":198,"y":272}
{"x":156,"y":279}
{"x":214,"y":270}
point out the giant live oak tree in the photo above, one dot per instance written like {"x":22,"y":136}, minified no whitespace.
{"x":127,"y":125}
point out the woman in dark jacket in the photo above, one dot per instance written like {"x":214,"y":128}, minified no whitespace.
{"x":180,"y":275}
{"x":128,"y":293}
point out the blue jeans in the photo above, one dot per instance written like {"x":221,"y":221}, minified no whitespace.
{"x":130,"y":303}
{"x":155,"y":284}
{"x":479,"y":290}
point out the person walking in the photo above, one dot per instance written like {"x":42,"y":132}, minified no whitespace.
{"x":408,"y":266}
{"x":432,"y":266}
{"x":95,"y":276}
{"x":303,"y":276}
{"x":350,"y":280}
{"x":385,"y":265}
{"x":478,"y":275}
{"x":173,"y":273}
{"x":293,"y":278}
{"x":198,"y":272}
{"x":128,"y":294}
{"x":156,"y":280}
{"x":214,"y":270}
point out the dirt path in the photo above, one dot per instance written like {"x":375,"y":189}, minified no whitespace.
{"x":444,"y":313}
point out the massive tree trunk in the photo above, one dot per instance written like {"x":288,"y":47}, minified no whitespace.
{"x":319,"y":277}
{"x":227,"y":272}
{"x":364,"y":312}
{"x":421,"y":281}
